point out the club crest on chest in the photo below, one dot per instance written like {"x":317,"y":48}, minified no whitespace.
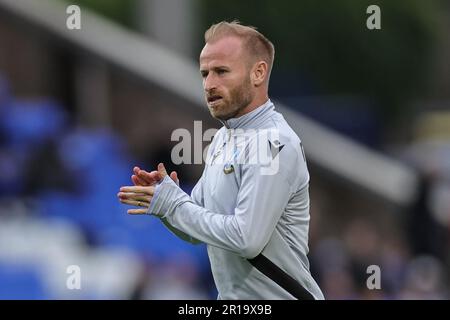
{"x":228,"y":168}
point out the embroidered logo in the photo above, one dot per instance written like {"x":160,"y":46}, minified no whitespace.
{"x":275,"y":148}
{"x":228,"y":168}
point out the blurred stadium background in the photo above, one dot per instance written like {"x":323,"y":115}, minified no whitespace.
{"x":80,"y":108}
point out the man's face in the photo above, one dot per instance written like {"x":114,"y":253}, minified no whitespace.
{"x":225,"y":70}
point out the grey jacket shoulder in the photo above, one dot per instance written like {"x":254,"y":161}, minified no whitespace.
{"x":292,"y":156}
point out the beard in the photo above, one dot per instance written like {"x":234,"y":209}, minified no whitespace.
{"x":239,"y":98}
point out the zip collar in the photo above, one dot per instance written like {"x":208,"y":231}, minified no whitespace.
{"x":251,"y":119}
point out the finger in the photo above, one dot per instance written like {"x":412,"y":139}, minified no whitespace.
{"x":139,"y":189}
{"x":135,"y":203}
{"x":138,"y":181}
{"x":136,"y":170}
{"x":136,"y":211}
{"x":135,"y":180}
{"x":150,"y":177}
{"x":134,"y":196}
{"x":162,"y":170}
{"x":174,"y":177}
{"x":126,"y":195}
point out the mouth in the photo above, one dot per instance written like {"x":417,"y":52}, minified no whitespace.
{"x":214,"y":100}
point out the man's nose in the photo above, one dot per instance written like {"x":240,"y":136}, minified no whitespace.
{"x":209,"y":83}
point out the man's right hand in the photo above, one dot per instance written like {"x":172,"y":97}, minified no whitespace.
{"x":145,"y":178}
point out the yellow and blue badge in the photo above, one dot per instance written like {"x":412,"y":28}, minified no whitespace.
{"x":228,"y":167}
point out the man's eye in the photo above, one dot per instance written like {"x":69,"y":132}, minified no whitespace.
{"x":221,"y":71}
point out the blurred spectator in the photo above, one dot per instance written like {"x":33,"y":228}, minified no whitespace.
{"x":175,"y":279}
{"x":425,"y":279}
{"x":426,"y":234}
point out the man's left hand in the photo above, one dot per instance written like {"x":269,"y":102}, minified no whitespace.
{"x":139,"y":196}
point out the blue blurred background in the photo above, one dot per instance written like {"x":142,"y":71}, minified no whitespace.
{"x":80,"y":108}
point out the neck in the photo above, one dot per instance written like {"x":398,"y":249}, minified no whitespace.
{"x":258,"y":101}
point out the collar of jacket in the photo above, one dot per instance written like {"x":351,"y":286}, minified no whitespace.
{"x":249,"y":120}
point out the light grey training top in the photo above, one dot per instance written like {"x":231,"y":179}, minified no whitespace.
{"x":252,"y":197}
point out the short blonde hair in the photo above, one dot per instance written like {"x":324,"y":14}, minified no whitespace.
{"x":257,"y":45}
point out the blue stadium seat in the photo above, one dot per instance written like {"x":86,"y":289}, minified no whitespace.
{"x":20,"y":282}
{"x":30,"y":123}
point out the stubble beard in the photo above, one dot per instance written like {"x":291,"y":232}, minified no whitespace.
{"x":240,"y":98}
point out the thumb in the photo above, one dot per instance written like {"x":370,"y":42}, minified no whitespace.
{"x":162,"y":170}
{"x":174,"y":177}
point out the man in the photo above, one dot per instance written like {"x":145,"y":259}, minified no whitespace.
{"x":252,"y":214}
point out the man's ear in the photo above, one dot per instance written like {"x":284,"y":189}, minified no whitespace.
{"x":259,"y":73}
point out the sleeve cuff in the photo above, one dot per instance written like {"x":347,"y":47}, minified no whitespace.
{"x":168,"y":196}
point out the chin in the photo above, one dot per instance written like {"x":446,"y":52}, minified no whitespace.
{"x":222,"y":113}
{"x":218,"y":116}
{"x":216,"y":112}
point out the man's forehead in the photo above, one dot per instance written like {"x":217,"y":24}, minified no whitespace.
{"x":229,"y":47}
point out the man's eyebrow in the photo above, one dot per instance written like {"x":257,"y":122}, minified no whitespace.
{"x":204,"y":70}
{"x":214,"y":68}
{"x":220,"y":67}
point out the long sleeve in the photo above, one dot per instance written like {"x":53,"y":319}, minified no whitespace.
{"x":246,"y":231}
{"x":197,"y":197}
{"x":183,"y":236}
